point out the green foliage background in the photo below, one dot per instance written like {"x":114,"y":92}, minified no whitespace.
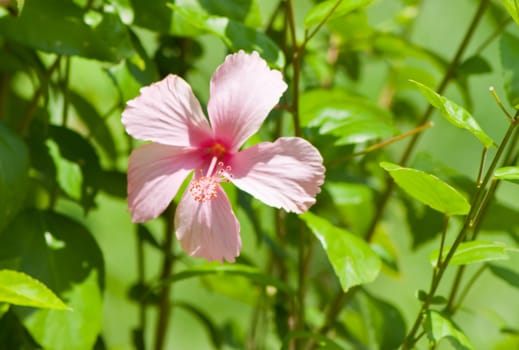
{"x":67,"y":68}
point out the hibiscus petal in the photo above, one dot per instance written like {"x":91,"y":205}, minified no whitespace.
{"x":155,"y":173}
{"x":285,"y":174}
{"x":243,"y":91}
{"x":208,"y":229}
{"x":167,"y":112}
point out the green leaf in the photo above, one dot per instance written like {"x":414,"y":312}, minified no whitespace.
{"x":78,"y":329}
{"x":253,"y":274}
{"x":509,"y":276}
{"x":96,"y":125}
{"x":509,"y":173}
{"x":352,"y":119}
{"x":428,"y":189}
{"x":474,"y":252}
{"x":324,"y":342}
{"x":474,"y":65}
{"x":64,"y":256}
{"x":374,"y":322}
{"x":18,"y":288}
{"x":82,"y":156}
{"x":107,"y":41}
{"x":512,"y":6}
{"x":509,"y":58}
{"x":439,"y":327}
{"x":200,"y":315}
{"x":455,"y":114}
{"x":246,"y":11}
{"x":352,"y":259}
{"x":69,"y":175}
{"x":234,"y":34}
{"x":14,"y":174}
{"x":323,"y":11}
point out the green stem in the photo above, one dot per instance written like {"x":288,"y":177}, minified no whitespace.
{"x":66,"y":94}
{"x":509,"y":158}
{"x":33,"y":104}
{"x":168,"y":258}
{"x":449,"y":74}
{"x":318,"y":26}
{"x":467,"y":225}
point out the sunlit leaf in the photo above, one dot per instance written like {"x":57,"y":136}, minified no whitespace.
{"x":509,"y":58}
{"x":352,"y":119}
{"x":512,"y":6}
{"x":331,"y":9}
{"x":473,"y":252}
{"x":69,"y":175}
{"x":107,"y":41}
{"x":14,"y":174}
{"x":509,"y":276}
{"x":18,"y":288}
{"x":234,"y":34}
{"x":353,"y":260}
{"x":428,"y":189}
{"x":77,"y":150}
{"x":438,"y":327}
{"x":77,"y":329}
{"x":455,"y":114}
{"x":63,"y":255}
{"x":253,"y":274}
{"x":509,"y":173}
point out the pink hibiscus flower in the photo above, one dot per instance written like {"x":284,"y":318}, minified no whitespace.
{"x":284,"y":174}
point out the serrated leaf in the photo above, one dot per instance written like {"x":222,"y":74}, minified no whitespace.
{"x":14,"y":174}
{"x":455,"y":114}
{"x":509,"y":173}
{"x":352,"y":259}
{"x":512,"y":6}
{"x":428,"y":189}
{"x":438,"y":327}
{"x":509,"y":57}
{"x":18,"y":288}
{"x":331,"y":9}
{"x":233,"y":34}
{"x":107,"y":41}
{"x":253,"y":274}
{"x":474,"y":252}
{"x":351,"y":119}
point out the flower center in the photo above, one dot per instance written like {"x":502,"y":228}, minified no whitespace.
{"x":217,"y":150}
{"x":205,"y":188}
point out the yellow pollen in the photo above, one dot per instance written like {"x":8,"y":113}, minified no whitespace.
{"x":217,"y":150}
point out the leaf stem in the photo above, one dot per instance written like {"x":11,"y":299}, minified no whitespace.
{"x":33,"y":104}
{"x":471,"y":217}
{"x":318,"y":26}
{"x":449,"y":74}
{"x":164,"y":312}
